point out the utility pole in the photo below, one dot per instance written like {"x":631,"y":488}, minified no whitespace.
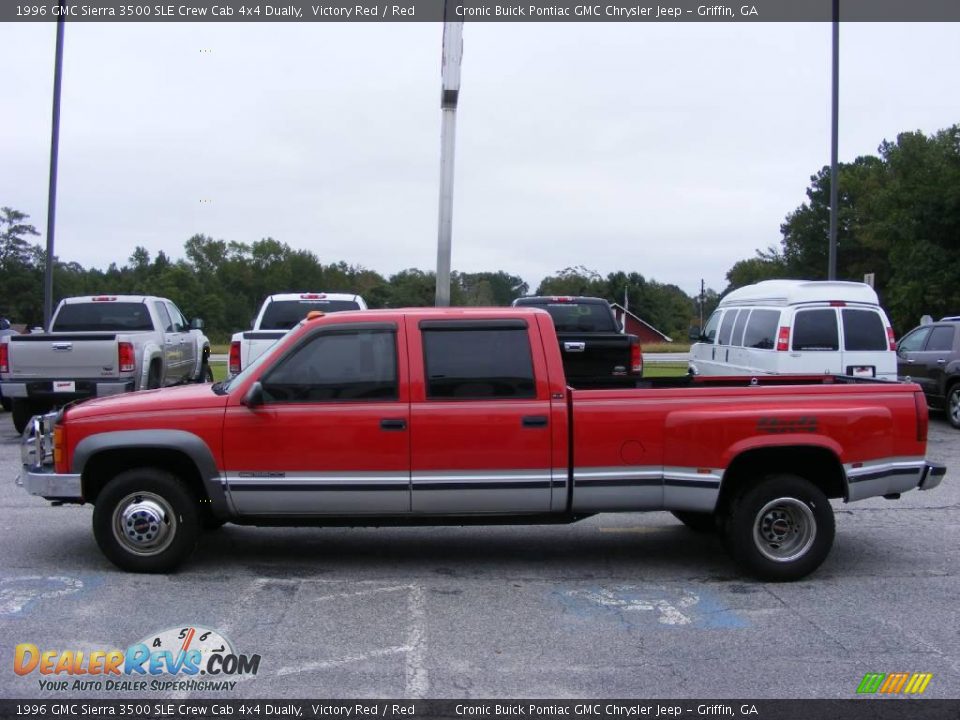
{"x":450,"y":91}
{"x":703,"y":294}
{"x":52,"y":190}
{"x":834,"y":144}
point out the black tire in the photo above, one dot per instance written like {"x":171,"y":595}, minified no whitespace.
{"x":953,"y":405}
{"x":206,"y":373}
{"x":6,"y":403}
{"x":21,"y":410}
{"x":781,"y":529}
{"x":153,"y":376}
{"x":700,"y":522}
{"x":146,"y":520}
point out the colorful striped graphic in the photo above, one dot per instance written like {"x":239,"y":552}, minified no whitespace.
{"x":894,"y":683}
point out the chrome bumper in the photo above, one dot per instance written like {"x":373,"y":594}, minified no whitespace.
{"x":932,"y":475}
{"x":36,"y":452}
{"x":47,"y":484}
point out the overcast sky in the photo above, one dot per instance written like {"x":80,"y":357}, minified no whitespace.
{"x":670,"y":150}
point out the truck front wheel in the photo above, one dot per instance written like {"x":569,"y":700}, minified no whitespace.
{"x":146,"y":520}
{"x":781,"y":529}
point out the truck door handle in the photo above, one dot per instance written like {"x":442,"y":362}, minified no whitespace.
{"x":393,"y":424}
{"x":534,"y":421}
{"x":574,"y":346}
{"x":942,"y":361}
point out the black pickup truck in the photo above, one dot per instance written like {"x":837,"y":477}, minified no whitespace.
{"x":596,"y":353}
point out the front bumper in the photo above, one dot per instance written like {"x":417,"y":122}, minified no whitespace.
{"x":38,"y":476}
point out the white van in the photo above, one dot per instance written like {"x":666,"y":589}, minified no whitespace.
{"x":797,"y":327}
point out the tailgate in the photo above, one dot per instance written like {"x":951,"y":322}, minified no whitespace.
{"x":67,"y":356}
{"x":257,"y":342}
{"x":595,"y":355}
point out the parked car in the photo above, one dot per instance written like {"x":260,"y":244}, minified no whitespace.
{"x":797,"y":327}
{"x":101,"y":345}
{"x":5,"y":332}
{"x":929,"y":355}
{"x":596,"y":352}
{"x":277,"y":315}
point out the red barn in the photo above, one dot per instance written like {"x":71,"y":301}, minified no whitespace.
{"x":633,"y":325}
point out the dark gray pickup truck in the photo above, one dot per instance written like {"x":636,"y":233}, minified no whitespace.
{"x":596,"y":353}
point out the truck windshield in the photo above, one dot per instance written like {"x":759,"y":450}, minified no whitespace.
{"x":285,"y":314}
{"x":102,"y":317}
{"x":571,"y":317}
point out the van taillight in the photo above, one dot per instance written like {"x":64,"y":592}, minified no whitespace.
{"x":783,"y":339}
{"x":126,"y":357}
{"x":923,"y":416}
{"x":891,"y":339}
{"x":234,"y":357}
{"x":4,"y":357}
{"x":636,"y":359}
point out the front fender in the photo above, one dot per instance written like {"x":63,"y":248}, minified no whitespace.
{"x":177,"y":440}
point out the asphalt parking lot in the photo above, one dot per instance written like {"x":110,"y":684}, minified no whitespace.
{"x":626,"y":605}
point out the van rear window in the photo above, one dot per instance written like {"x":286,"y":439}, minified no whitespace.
{"x":863,"y":330}
{"x":815,"y":330}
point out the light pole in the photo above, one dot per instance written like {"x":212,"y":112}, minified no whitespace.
{"x":834,"y":144}
{"x":450,"y":74}
{"x":52,"y":190}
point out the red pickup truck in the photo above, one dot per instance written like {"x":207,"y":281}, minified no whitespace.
{"x":463,"y":416}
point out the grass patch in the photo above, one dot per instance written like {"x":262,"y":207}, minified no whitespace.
{"x":219,"y":348}
{"x":666,"y":348}
{"x":219,"y":371}
{"x":668,"y":369}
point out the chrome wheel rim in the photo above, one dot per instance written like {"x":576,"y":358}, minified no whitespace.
{"x":784,"y":529}
{"x":144,"y":523}
{"x":954,"y":406}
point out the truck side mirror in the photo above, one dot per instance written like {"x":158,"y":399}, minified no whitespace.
{"x":196,"y":324}
{"x":254,"y":396}
{"x":694,"y":333}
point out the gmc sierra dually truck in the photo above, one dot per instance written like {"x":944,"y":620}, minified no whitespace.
{"x":101,"y":345}
{"x":278,"y":314}
{"x":463,"y":416}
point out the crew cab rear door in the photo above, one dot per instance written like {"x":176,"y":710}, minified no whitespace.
{"x":480,"y":417}
{"x":332,"y":434}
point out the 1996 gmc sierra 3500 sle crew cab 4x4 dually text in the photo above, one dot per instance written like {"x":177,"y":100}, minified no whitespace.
{"x":463,"y":416}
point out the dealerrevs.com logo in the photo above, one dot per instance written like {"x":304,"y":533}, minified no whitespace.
{"x":894,"y":683}
{"x":184,"y":658}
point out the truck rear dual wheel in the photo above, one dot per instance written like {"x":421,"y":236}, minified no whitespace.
{"x":146,"y":520}
{"x":781,"y":529}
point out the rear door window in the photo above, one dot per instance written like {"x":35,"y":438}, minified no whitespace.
{"x":726,"y":327}
{"x":478,"y":364}
{"x":941,"y":339}
{"x":863,"y":330}
{"x":815,"y":330}
{"x":761,"y":330}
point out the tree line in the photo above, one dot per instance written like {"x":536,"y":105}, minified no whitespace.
{"x":225,"y":282}
{"x":899,"y":218}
